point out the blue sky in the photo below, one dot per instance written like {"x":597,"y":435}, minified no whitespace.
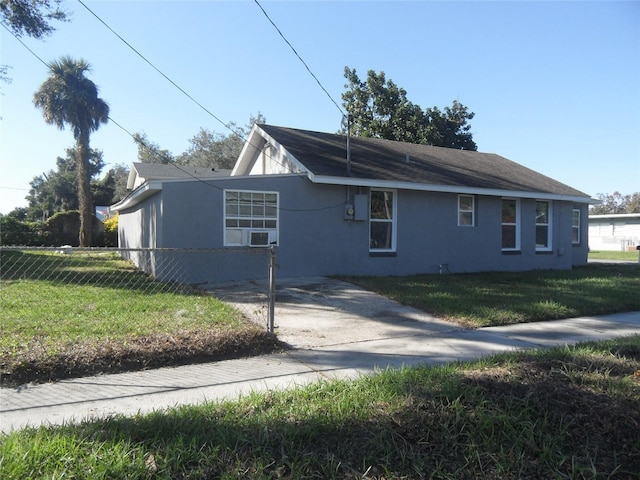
{"x":555,"y":85}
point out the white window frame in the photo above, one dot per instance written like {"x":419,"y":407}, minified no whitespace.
{"x":462,"y":212}
{"x":392,"y":220}
{"x":576,"y":226}
{"x":548,"y":225}
{"x":240,"y":224}
{"x":516,"y":225}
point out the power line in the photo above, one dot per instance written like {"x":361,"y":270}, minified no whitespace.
{"x":25,"y":45}
{"x":299,"y":57}
{"x":206,"y":182}
{"x":155,"y":151}
{"x":226,"y":125}
{"x":190,"y":97}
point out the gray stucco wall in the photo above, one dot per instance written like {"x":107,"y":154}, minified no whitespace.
{"x":141,"y":226}
{"x":315,"y":238}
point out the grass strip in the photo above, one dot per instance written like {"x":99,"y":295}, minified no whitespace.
{"x":570,"y":412}
{"x":503,"y":298}
{"x":614,"y":255}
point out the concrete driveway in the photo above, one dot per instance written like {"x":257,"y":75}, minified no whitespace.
{"x":317,"y":312}
{"x":329,"y":322}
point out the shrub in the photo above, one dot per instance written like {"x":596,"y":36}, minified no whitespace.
{"x":111,"y":231}
{"x":21,"y":233}
{"x":63,"y":228}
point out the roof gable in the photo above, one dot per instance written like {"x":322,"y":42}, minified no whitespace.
{"x":324,"y":155}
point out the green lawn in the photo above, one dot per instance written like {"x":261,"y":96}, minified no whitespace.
{"x":499,"y":298}
{"x":64,"y":315}
{"x":608,"y":255}
{"x":61,"y":299}
{"x":569,"y":412}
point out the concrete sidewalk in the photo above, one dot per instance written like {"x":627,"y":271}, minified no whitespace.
{"x":336,"y":330}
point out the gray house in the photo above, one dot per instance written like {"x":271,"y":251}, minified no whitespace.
{"x":363,"y":207}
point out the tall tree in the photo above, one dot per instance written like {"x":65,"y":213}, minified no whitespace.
{"x":616,"y":203}
{"x":211,"y":150}
{"x":150,"y":152}
{"x":57,"y":190}
{"x":215,"y":150}
{"x":120,"y":173}
{"x":381,"y":109}
{"x":31,"y":17}
{"x":69,"y":98}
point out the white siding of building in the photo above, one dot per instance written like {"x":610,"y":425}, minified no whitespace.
{"x":614,"y":232}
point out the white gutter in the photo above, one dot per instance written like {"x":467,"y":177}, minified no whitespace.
{"x":614,"y":216}
{"x":145,"y":190}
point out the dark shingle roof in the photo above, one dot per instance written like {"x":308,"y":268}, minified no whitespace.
{"x":156,"y":171}
{"x":324,"y":154}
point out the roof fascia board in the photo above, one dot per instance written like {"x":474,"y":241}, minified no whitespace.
{"x":256,"y":130}
{"x":250,"y":150}
{"x":133,"y":174}
{"x":363,"y":182}
{"x":614,"y":215}
{"x":145,"y":190}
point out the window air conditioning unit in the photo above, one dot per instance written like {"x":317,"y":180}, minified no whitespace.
{"x":258,"y":239}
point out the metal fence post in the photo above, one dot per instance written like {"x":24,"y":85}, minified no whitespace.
{"x":272,"y":287}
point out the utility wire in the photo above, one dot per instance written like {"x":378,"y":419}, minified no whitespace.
{"x":226,"y":125}
{"x":299,"y":57}
{"x":24,"y":45}
{"x":148,"y":147}
{"x":206,"y":182}
{"x":155,"y":151}
{"x":190,"y":97}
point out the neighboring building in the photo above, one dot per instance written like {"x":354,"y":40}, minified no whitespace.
{"x":102,"y":213}
{"x":393,"y":209}
{"x":619,"y":232}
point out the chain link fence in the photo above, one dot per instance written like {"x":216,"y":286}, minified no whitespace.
{"x":237,"y":276}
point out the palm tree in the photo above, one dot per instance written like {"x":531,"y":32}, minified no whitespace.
{"x":68,"y":98}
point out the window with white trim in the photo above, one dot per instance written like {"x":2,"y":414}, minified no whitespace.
{"x":575,"y":227}
{"x":543,"y":226}
{"x":250,"y":218}
{"x":510,"y":224}
{"x":466,"y":210}
{"x":382,"y":225}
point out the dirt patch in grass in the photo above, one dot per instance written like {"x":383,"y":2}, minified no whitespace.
{"x":135,"y":353}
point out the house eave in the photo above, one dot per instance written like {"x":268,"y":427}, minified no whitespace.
{"x":364,"y":182}
{"x":614,"y":216}
{"x":145,"y":190}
